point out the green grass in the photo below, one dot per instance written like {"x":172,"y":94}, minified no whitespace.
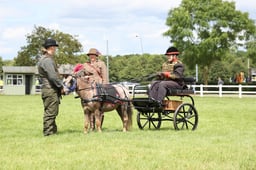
{"x":225,"y":138}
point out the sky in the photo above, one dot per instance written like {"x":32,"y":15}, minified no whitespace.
{"x":114,"y":27}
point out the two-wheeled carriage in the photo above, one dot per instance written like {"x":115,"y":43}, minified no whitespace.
{"x":150,"y":115}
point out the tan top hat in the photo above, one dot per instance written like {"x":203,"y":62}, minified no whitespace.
{"x":93,"y":51}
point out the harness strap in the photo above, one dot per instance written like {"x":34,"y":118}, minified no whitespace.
{"x":89,"y":64}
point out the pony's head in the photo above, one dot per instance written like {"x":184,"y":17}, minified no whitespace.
{"x":84,"y":84}
{"x":83,"y":77}
{"x":69,"y":84}
{"x":80,"y":71}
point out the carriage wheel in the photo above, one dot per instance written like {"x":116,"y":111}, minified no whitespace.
{"x":151,"y":119}
{"x":185,"y":117}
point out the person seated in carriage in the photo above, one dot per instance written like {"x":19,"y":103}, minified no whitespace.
{"x":170,"y":77}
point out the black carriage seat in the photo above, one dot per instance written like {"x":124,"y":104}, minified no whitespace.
{"x":142,"y":89}
{"x":179,"y":92}
{"x":185,"y":90}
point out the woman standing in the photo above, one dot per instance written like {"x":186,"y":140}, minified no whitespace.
{"x":52,"y":87}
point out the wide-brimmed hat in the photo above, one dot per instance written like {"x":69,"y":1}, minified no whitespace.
{"x":49,"y":43}
{"x":172,"y":50}
{"x":93,"y":51}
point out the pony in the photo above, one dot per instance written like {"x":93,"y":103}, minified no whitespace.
{"x":99,"y":98}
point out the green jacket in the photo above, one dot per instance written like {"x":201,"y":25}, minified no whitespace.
{"x":49,"y":74}
{"x":176,"y":69}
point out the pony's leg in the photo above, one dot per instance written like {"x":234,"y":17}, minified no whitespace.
{"x":92,"y":122}
{"x":86,"y":122}
{"x":101,"y":118}
{"x":98,"y":120}
{"x":122,"y":112}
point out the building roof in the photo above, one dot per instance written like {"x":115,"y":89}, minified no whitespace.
{"x":20,"y":69}
{"x":63,"y":69}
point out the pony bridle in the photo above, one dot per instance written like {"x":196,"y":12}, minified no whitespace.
{"x":84,"y":76}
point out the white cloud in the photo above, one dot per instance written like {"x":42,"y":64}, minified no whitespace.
{"x":5,"y":49}
{"x":54,"y":26}
{"x":14,"y":33}
{"x":118,"y":21}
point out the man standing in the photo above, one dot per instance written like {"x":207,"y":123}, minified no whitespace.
{"x":52,"y":87}
{"x":171,"y":76}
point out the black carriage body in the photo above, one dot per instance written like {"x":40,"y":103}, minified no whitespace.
{"x":183,"y":114}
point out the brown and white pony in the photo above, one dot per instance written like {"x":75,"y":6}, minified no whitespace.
{"x":97,"y":99}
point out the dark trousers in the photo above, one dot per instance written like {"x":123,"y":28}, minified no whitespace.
{"x":158,"y":89}
{"x":51,"y":103}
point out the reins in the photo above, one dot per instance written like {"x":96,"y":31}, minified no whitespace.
{"x":87,"y":88}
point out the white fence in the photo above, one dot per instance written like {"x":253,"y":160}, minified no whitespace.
{"x":202,"y":90}
{"x":219,"y":90}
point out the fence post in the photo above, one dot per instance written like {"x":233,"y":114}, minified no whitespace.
{"x":240,"y":90}
{"x":201,"y":90}
{"x":220,"y":90}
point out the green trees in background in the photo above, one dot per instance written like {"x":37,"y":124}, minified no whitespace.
{"x":206,"y":31}
{"x":251,"y":48}
{"x":69,"y":46}
{"x":134,"y":67}
{"x":137,"y":68}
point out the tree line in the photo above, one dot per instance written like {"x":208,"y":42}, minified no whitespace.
{"x":139,"y":68}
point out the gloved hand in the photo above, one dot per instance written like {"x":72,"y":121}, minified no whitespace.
{"x":163,"y":75}
{"x":166,"y":75}
{"x":160,"y":76}
{"x":62,"y":91}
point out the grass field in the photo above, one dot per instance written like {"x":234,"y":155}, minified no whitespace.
{"x":225,"y":139}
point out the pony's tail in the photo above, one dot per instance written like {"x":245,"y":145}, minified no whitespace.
{"x":129,"y":113}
